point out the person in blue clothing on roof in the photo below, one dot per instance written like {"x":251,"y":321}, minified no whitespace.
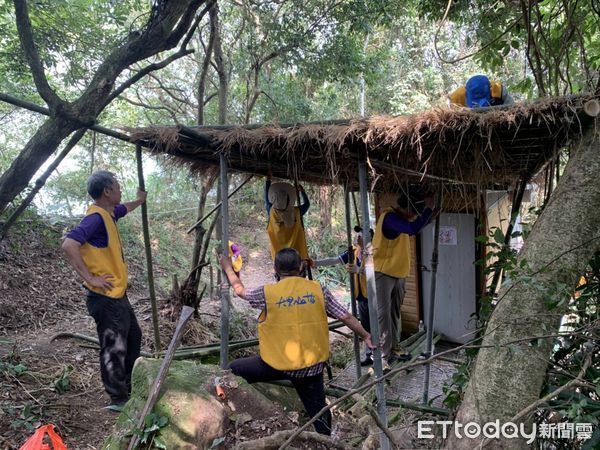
{"x":479,"y":92}
{"x":391,"y":258}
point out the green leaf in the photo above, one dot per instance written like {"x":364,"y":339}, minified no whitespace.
{"x":163,"y":421}
{"x":159,"y":442}
{"x":149,"y":419}
{"x":593,"y":442}
{"x":498,"y":236}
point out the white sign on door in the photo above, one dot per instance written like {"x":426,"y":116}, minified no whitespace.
{"x":447,"y":236}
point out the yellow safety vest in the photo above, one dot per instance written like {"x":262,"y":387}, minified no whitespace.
{"x":294,"y":333}
{"x":287,"y":237}
{"x":459,"y":96}
{"x":391,"y":257}
{"x":107,"y":260}
{"x":360,"y":278}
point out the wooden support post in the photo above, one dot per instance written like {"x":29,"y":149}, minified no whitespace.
{"x":352,"y":287}
{"x":144,"y":209}
{"x":384,"y":442}
{"x":224,"y":357}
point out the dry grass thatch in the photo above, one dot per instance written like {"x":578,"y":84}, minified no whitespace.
{"x":484,"y":148}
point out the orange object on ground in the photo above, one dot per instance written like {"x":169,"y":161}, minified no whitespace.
{"x":36,"y":442}
{"x":220,"y":389}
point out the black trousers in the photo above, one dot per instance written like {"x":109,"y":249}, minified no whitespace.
{"x":363,"y":314}
{"x":120,"y":339}
{"x":311,"y":390}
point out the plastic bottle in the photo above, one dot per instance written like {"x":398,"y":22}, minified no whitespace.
{"x":421,"y":326}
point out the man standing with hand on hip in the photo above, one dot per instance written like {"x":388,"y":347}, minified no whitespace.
{"x":95,"y":251}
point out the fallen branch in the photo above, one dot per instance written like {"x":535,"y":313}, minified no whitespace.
{"x":276,"y":439}
{"x":91,"y":339}
{"x":383,"y":377}
{"x":381,"y":426}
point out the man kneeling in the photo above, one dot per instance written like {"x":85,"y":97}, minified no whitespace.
{"x":293,"y":333}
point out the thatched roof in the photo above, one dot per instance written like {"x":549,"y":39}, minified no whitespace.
{"x":486,"y":147}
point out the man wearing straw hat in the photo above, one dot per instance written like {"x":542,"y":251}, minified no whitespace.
{"x":285,"y":228}
{"x":94,"y":250}
{"x":293,"y":332}
{"x":391,"y":258}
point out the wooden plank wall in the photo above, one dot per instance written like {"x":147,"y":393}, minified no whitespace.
{"x":411,"y":308}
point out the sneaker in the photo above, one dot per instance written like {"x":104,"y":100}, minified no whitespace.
{"x":385,"y":366}
{"x":367,"y":360}
{"x":115,"y":407}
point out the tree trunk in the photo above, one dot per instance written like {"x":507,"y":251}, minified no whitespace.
{"x":509,"y":376}
{"x":39,"y":148}
{"x":325,"y":200}
{"x":190,"y":285}
{"x":220,"y":64}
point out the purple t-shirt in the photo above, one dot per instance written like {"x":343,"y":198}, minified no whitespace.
{"x":91,"y":229}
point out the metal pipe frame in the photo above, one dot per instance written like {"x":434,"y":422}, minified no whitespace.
{"x":384,"y":442}
{"x":224,"y":356}
{"x":352,"y":287}
{"x":430,"y":315}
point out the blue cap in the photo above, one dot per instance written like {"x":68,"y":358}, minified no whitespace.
{"x":478,"y":91}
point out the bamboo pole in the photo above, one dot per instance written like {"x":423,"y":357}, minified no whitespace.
{"x":218,"y":205}
{"x":46,"y":112}
{"x":150,"y":271}
{"x":352,"y":287}
{"x":430,"y":315}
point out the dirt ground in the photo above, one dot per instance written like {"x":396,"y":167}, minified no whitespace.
{"x":59,"y":382}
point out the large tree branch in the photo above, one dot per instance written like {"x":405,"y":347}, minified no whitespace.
{"x":192,"y":30}
{"x":41,"y":181}
{"x":183,"y":51}
{"x":33,"y":57}
{"x":152,"y":107}
{"x":163,"y":31}
{"x":145,"y":71}
{"x":168,"y":24}
{"x":171,"y":92}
